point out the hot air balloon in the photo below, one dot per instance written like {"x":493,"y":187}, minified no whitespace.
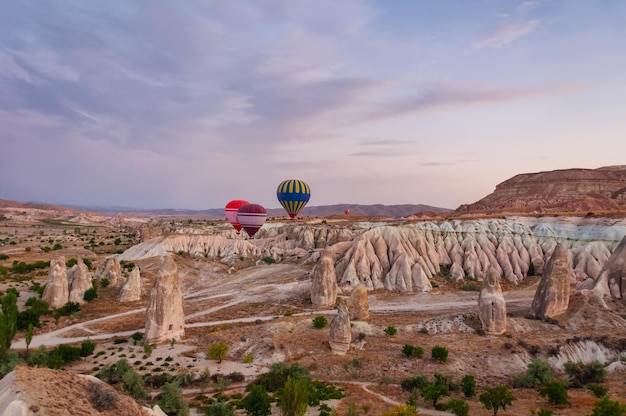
{"x":251,"y":217}
{"x":293,"y":194}
{"x":231,"y":212}
{"x":346,"y":211}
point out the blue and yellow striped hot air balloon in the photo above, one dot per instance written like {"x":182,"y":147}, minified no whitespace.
{"x":293,"y":194}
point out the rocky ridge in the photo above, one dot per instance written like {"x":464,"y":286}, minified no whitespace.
{"x":564,"y":190}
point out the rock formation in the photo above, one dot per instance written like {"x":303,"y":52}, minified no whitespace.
{"x":165,"y":318}
{"x":340,"y":334}
{"x":30,"y":391}
{"x":612,"y":278}
{"x":358,"y":305}
{"x":131,"y":290}
{"x":324,"y":282}
{"x":56,"y":292}
{"x":79,"y":281}
{"x":564,"y":190}
{"x":110,"y":270}
{"x":491,"y":304}
{"x":552,"y":295}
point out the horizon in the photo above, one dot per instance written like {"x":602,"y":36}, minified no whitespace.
{"x":153,"y":105}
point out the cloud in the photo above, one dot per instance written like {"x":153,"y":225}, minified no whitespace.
{"x":386,"y":142}
{"x":505,"y":34}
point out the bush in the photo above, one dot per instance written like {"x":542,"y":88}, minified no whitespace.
{"x":606,"y":407}
{"x":320,"y":322}
{"x":391,"y":330}
{"x":104,"y":282}
{"x":581,"y":373}
{"x":597,"y":389}
{"x":439,"y":353}
{"x":68,"y":309}
{"x":413,"y":351}
{"x":457,"y":406}
{"x":468,"y":385}
{"x":257,"y":402}
{"x":555,"y":391}
{"x":470,"y":287}
{"x":269,"y":260}
{"x":412,"y":383}
{"x":172,"y":402}
{"x":103,"y":397}
{"x":402,"y":410}
{"x":90,"y":294}
{"x":3,"y":256}
{"x":537,"y":373}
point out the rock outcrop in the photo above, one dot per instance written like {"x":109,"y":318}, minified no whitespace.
{"x":358,"y":305}
{"x":79,"y":281}
{"x":131,"y":290}
{"x":30,"y":391}
{"x":491,"y":304}
{"x":340,"y":334}
{"x":564,"y":190}
{"x":552,"y":295}
{"x":110,"y":270}
{"x":57,"y":290}
{"x":324,"y":282}
{"x":612,"y":278}
{"x":165,"y":318}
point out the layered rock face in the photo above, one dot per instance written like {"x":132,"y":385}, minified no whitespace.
{"x":324,"y":282}
{"x":491,"y":304}
{"x":110,"y":270}
{"x":79,"y":281}
{"x":559,"y":190}
{"x":165,"y":318}
{"x":611,"y":281}
{"x":358,"y":305}
{"x":131,"y":290}
{"x":552,"y":295}
{"x":57,"y":291}
{"x":340,"y":334}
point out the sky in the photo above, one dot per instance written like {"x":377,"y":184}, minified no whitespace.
{"x":190,"y":104}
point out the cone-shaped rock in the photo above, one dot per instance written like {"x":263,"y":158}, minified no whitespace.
{"x":110,"y":270}
{"x":79,"y":281}
{"x":491,"y":304}
{"x":165,"y":318}
{"x":340,"y":335}
{"x":57,"y":289}
{"x":552,"y":295}
{"x":131,"y":290}
{"x":359,"y":304}
{"x":612,"y":278}
{"x":324,"y":282}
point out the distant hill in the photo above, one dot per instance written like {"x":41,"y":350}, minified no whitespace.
{"x":566,"y":190}
{"x":395,"y":211}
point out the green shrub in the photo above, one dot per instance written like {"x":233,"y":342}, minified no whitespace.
{"x":413,"y":351}
{"x":606,"y":407}
{"x":320,"y":322}
{"x":537,"y":373}
{"x":457,"y":407}
{"x":90,"y":294}
{"x":581,"y":374}
{"x":439,"y":353}
{"x":555,"y":391}
{"x":597,"y":389}
{"x":104,"y":282}
{"x":68,"y":309}
{"x":497,"y":398}
{"x":412,"y":383}
{"x":3,"y":256}
{"x":391,"y":330}
{"x":269,"y":260}
{"x":470,"y":287}
{"x":468,"y":385}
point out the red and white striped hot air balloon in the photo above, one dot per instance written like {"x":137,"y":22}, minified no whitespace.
{"x":231,"y":212}
{"x":251,"y":217}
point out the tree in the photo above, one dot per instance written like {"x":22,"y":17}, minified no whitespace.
{"x":218,"y":351}
{"x":28,"y":337}
{"x":87,"y":348}
{"x":435,"y":391}
{"x":137,"y":336}
{"x":294,"y":398}
{"x":468,"y":385}
{"x":219,"y":409}
{"x":537,"y":373}
{"x":497,"y":398}
{"x":171,"y":400}
{"x":457,"y":406}
{"x":606,"y":407}
{"x":556,"y":391}
{"x":257,"y":402}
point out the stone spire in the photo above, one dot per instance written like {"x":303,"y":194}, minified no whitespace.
{"x":340,"y":335}
{"x":165,"y":318}
{"x":56,"y":292}
{"x":79,"y":281}
{"x":491,"y":304}
{"x":131,"y":290}
{"x":324,"y":282}
{"x":552,"y":295}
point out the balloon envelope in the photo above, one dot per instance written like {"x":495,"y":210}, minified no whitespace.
{"x":231,"y":212}
{"x":347,"y":211}
{"x":251,"y":217}
{"x":293,"y":194}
